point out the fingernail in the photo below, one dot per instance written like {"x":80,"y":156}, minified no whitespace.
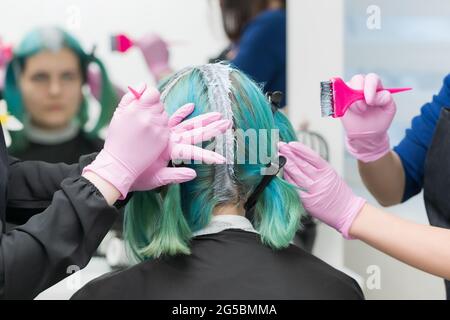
{"x":188,"y":107}
{"x":187,"y":176}
{"x":215,"y":116}
{"x":227,"y":123}
{"x":220,"y":159}
{"x":224,"y":124}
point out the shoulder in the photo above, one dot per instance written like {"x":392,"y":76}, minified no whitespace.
{"x":332,"y":282}
{"x":271,"y":17}
{"x":292,"y":265}
{"x":447,"y":81}
{"x":430,"y":112}
{"x":271,"y":22}
{"x":113,"y":285}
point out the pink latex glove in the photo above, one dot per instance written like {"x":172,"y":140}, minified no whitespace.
{"x":366,"y":122}
{"x":156,"y":54}
{"x":137,"y":135}
{"x":181,"y":147}
{"x":326,"y":196}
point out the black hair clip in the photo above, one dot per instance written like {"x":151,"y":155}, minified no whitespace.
{"x":89,"y":58}
{"x":91,"y":55}
{"x":275,"y":99}
{"x":253,"y":199}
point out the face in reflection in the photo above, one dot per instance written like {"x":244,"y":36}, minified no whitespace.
{"x":51,"y":85}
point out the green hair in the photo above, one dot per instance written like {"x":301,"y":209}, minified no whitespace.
{"x":35,"y":42}
{"x":163,"y":223}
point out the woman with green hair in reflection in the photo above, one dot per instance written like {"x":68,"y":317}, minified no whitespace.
{"x":44,"y":89}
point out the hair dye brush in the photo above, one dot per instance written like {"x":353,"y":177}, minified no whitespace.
{"x":121,"y":43}
{"x":336,"y":97}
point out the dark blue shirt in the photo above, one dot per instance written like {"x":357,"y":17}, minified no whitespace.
{"x":414,"y":147}
{"x":261,"y":51}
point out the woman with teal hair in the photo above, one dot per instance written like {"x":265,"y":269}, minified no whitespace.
{"x":43,"y":89}
{"x":227,"y":234}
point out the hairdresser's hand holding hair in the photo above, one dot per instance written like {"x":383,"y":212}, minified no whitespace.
{"x":183,"y":136}
{"x":136,"y":137}
{"x":142,"y":140}
{"x":327,"y":197}
{"x":324,"y":194}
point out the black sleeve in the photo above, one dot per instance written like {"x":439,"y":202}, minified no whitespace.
{"x":38,"y":254}
{"x":31,"y":184}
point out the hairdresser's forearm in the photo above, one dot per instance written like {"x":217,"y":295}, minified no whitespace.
{"x":384,"y":178}
{"x":423,"y":247}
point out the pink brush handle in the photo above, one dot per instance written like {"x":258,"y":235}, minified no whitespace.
{"x":391,"y":90}
{"x":396,"y":90}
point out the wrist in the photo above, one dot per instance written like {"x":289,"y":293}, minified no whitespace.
{"x":368,"y":148}
{"x":113,"y":171}
{"x":354,"y":210}
{"x":108,"y":191}
{"x":357,"y":226}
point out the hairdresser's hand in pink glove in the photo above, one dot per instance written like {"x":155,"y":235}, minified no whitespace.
{"x":366,"y":122}
{"x":183,"y":137}
{"x":326,"y":196}
{"x":156,"y":55}
{"x":136,"y":137}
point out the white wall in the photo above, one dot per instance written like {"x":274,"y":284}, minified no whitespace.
{"x":315,"y":55}
{"x":194,"y":24}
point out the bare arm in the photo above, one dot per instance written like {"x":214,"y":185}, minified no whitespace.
{"x":384,"y":178}
{"x":424,"y":247}
{"x":108,"y":191}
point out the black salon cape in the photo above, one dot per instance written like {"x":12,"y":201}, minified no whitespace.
{"x":68,"y":152}
{"x":229,"y":265}
{"x":37,"y":255}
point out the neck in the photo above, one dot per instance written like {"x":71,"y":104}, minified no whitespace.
{"x":50,"y":136}
{"x":229,"y":210}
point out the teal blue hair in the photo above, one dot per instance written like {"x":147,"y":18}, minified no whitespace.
{"x":159,"y":224}
{"x":35,"y":42}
